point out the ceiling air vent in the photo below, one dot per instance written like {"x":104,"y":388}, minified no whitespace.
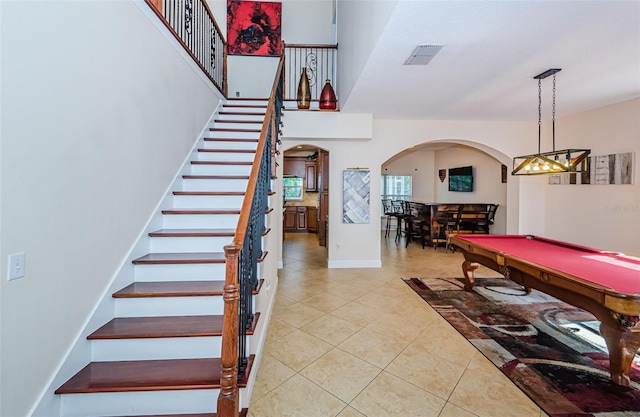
{"x":423,"y":54}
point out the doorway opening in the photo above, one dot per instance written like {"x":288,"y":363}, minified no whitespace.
{"x":306,"y":192}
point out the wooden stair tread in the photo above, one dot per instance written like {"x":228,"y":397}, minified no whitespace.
{"x":228,"y":150}
{"x":243,"y":413}
{"x":176,"y":289}
{"x":171,"y":289}
{"x":208,"y":193}
{"x":161,"y":327}
{"x":248,"y":106}
{"x":151,"y":375}
{"x":156,"y":327}
{"x":215,"y":177}
{"x":181,"y":258}
{"x":221,"y":162}
{"x":177,"y":415}
{"x":247,"y":99}
{"x":228,"y":129}
{"x":238,"y":113}
{"x":201,"y":211}
{"x":193,"y":232}
{"x":231,"y":140}
{"x":237,"y":121}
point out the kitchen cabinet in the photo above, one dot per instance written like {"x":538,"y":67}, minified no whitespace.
{"x":295,"y":166}
{"x":290,"y":219}
{"x":310,"y":175}
{"x":312,"y":219}
{"x":300,"y":219}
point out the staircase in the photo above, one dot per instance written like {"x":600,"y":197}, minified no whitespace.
{"x":160,"y":354}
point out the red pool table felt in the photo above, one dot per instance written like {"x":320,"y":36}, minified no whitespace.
{"x":616,"y":271}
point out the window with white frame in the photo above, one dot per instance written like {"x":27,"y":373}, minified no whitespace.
{"x":395,"y":187}
{"x":292,"y":187}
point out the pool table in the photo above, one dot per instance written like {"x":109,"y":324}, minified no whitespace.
{"x":606,"y":284}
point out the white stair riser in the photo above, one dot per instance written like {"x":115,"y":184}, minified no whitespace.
{"x":155,"y":348}
{"x":244,"y":102}
{"x":226,"y":156}
{"x":236,"y":125}
{"x":168,"y":306}
{"x":140,"y":402}
{"x":206,"y":201}
{"x":229,"y":144}
{"x":179,"y":272}
{"x":200,"y":221}
{"x":232,"y":134}
{"x":189,"y":244}
{"x":205,"y":169}
{"x":214,"y":184}
{"x":256,"y":117}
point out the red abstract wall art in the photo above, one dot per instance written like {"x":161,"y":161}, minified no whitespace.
{"x":254,"y":28}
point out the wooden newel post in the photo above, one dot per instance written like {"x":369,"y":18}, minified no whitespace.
{"x":228,"y":400}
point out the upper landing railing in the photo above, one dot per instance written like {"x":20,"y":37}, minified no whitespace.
{"x":320,"y":62}
{"x":193,"y":25}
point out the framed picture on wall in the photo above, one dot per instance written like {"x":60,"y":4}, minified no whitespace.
{"x":254,"y":28}
{"x":356,"y":195}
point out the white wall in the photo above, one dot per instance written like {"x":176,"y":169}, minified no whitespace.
{"x":419,"y":165}
{"x":359,"y":245}
{"x":601,"y":216}
{"x":358,"y":31}
{"x":487,"y":181}
{"x":98,"y":113}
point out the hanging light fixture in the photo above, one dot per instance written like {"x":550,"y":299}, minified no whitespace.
{"x":566,"y":160}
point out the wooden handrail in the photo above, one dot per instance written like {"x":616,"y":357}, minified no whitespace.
{"x":228,"y":400}
{"x":323,"y":46}
{"x":243,"y":221}
{"x":157,"y":7}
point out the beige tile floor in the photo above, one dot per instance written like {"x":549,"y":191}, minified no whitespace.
{"x":360,"y":342}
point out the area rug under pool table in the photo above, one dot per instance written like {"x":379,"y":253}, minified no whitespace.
{"x":551,"y":350}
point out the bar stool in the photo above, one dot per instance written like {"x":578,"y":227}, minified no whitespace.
{"x":400,"y":215}
{"x":388,"y":211}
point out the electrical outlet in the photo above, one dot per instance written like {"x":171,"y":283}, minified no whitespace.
{"x":237,"y":93}
{"x":15,"y":266}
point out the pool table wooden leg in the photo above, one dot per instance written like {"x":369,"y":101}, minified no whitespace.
{"x":469,"y":280}
{"x":623,"y":343}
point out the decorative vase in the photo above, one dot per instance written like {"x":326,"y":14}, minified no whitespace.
{"x":304,"y":92}
{"x":328,"y":97}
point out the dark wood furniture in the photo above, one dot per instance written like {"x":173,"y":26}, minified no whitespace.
{"x":604,"y":283}
{"x":311,"y":176}
{"x":295,"y":165}
{"x":299,"y":218}
{"x":312,"y":219}
{"x":438,"y":221}
{"x":322,"y":164}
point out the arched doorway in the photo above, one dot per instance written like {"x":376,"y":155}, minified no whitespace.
{"x":306,"y":191}
{"x":428,"y":166}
